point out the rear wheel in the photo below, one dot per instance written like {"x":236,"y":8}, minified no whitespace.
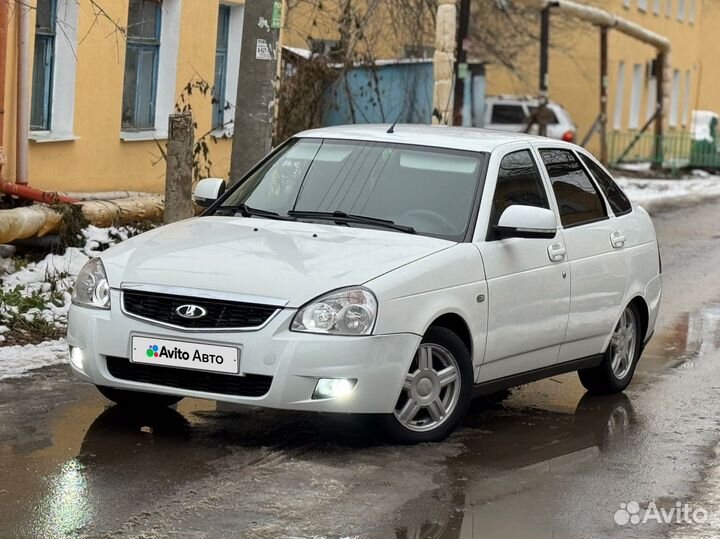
{"x":137,"y":399}
{"x":436,"y":391}
{"x":618,"y":366}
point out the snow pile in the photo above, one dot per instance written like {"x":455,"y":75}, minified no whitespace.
{"x":648,"y":191}
{"x":19,"y":360}
{"x":41,"y":291}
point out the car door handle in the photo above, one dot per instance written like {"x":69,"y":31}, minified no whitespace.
{"x":557,"y":252}
{"x":617,"y":239}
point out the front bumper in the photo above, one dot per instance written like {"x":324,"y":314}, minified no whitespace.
{"x":295,"y":360}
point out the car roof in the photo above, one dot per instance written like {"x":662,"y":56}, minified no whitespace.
{"x":439,"y":136}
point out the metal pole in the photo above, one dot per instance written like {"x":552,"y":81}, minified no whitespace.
{"x":461,"y":67}
{"x":603,"y":93}
{"x":659,"y":109}
{"x":23,"y":94}
{"x":544,"y":61}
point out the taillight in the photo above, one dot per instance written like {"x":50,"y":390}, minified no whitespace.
{"x":569,"y":136}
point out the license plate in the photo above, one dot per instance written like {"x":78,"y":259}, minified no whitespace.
{"x":183,"y":354}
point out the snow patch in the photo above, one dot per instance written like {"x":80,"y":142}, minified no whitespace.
{"x":644,"y":191}
{"x":17,"y":361}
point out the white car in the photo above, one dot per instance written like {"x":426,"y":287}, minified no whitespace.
{"x":510,"y":113}
{"x":391,"y":272}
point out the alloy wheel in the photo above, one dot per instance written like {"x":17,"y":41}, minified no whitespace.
{"x":431,"y":389}
{"x":623,"y":344}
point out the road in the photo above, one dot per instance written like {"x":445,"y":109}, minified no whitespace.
{"x":548,"y":461}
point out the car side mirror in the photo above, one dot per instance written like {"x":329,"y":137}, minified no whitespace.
{"x":208,"y":191}
{"x":526,"y":222}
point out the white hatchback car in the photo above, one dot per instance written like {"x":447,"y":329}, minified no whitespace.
{"x":361,"y":270}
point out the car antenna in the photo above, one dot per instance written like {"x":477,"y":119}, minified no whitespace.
{"x":392,"y":127}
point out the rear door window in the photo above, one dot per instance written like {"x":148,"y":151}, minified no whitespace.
{"x":616,"y":198}
{"x":507,"y":114}
{"x":578,"y":200}
{"x":518,"y":184}
{"x":552,"y":117}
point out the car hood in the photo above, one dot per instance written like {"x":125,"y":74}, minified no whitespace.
{"x":292,"y":261}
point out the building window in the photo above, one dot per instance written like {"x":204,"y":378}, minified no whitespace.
{"x":691,"y":11}
{"x":636,"y":96}
{"x":651,"y":98}
{"x":686,"y":99}
{"x":642,"y":5}
{"x":44,"y":64}
{"x":52,"y":108}
{"x":668,"y":8}
{"x":619,"y":96}
{"x":656,"y":7}
{"x":675,"y":99}
{"x":681,"y":10}
{"x":141,"y":64}
{"x":221,"y":55}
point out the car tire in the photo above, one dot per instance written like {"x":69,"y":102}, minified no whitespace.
{"x":137,"y":399}
{"x":615,"y":373}
{"x":430,"y":389}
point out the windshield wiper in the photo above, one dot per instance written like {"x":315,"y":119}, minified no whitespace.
{"x":340,"y":217}
{"x":247,"y":211}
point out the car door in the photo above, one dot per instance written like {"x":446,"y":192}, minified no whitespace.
{"x":598,"y":271}
{"x":527,"y":278}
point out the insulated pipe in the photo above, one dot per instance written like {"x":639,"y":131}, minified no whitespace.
{"x":23,"y":93}
{"x":36,"y":195}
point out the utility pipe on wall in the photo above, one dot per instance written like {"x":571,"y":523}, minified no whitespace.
{"x":23,"y":93}
{"x":3,"y":67}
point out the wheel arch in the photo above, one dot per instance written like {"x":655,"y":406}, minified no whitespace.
{"x":644,"y":312}
{"x":456,"y":323}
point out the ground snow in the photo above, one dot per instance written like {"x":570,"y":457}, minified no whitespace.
{"x":16,"y":361}
{"x":647,"y":191}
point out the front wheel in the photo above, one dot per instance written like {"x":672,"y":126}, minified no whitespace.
{"x":137,"y":399}
{"x":618,"y":365}
{"x":436,"y":391}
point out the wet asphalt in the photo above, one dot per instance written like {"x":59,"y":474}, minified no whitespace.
{"x":545,"y":461}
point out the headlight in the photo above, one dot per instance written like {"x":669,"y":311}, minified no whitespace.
{"x":91,"y":287}
{"x":345,"y":312}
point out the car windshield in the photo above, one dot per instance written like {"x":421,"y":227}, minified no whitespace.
{"x":425,"y":190}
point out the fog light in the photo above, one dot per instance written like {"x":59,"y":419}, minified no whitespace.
{"x":77,"y":357}
{"x":333,"y":388}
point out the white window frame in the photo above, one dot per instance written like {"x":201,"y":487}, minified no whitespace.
{"x":686,"y":99}
{"x":681,"y":10}
{"x":237,"y":16}
{"x":636,"y":95}
{"x":167,"y":74}
{"x":63,"y":88}
{"x":619,"y":96}
{"x":651,"y":94}
{"x":675,"y":99}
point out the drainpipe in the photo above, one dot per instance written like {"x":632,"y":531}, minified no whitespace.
{"x":3,"y":62}
{"x":23,"y":93}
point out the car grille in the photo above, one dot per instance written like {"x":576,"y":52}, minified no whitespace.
{"x":250,"y":385}
{"x":221,"y":314}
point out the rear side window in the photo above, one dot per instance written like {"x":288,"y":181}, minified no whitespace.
{"x":552,"y":118}
{"x":578,"y":199}
{"x":507,"y":114}
{"x":616,"y":198}
{"x":518,"y":183}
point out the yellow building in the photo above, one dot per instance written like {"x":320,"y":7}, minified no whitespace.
{"x":100,"y":99}
{"x":690,"y":25}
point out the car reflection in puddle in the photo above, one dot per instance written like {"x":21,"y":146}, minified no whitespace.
{"x":504,"y":472}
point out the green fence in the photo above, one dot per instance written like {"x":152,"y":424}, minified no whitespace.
{"x":676,"y":150}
